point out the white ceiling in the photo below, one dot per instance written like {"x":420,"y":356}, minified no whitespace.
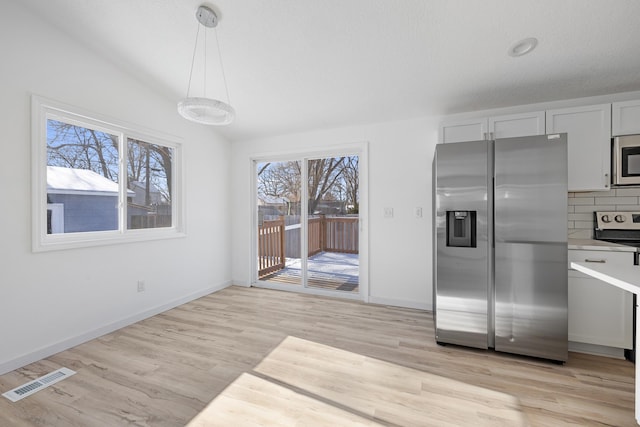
{"x":295,"y":65}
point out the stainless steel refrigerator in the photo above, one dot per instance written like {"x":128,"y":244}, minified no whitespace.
{"x":500,"y":256}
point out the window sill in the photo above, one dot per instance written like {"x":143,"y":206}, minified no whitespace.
{"x":55,"y":242}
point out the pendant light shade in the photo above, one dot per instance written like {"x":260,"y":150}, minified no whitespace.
{"x":205,"y":110}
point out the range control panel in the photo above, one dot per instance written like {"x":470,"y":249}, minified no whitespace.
{"x":618,"y":220}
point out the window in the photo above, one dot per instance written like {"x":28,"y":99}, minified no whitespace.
{"x":97,"y":181}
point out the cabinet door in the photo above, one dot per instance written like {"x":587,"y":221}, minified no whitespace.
{"x":463,"y":130}
{"x":626,"y":118}
{"x":589,"y":144}
{"x":515,"y":125}
{"x":599,"y":313}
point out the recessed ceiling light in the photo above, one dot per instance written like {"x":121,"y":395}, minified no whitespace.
{"x":523,"y":47}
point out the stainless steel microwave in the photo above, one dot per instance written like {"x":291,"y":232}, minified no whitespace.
{"x":626,"y":160}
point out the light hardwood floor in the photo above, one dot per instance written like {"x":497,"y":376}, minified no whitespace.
{"x":248,"y":356}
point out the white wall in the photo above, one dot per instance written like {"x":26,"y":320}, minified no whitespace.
{"x":400,"y":156}
{"x":52,"y":300}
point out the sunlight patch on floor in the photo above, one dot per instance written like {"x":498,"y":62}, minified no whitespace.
{"x":305,"y":383}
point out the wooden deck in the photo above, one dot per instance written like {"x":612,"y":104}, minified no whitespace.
{"x":315,"y":280}
{"x":331,"y":271}
{"x":258,"y":357}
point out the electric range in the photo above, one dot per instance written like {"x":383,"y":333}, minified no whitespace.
{"x":618,"y":227}
{"x":622,"y":228}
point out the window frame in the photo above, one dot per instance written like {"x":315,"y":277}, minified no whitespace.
{"x":43,"y":109}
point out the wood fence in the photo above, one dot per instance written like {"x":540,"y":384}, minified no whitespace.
{"x":276,"y":241}
{"x":149,"y":221}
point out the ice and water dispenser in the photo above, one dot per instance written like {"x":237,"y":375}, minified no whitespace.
{"x":461,"y":229}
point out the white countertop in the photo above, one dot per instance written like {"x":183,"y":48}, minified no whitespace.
{"x":626,"y":277}
{"x":598,"y":245}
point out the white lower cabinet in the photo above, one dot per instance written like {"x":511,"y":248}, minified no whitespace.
{"x":599,"y":314}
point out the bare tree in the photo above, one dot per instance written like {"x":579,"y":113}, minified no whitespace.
{"x":81,"y":148}
{"x":350,"y":174}
{"x":329,"y":179}
{"x":78,"y":147}
{"x":280,"y":181}
{"x":323,"y":174}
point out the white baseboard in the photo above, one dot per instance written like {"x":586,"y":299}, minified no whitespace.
{"x":597,"y":350}
{"x":400,"y":303}
{"x":242,"y":283}
{"x":49,"y":350}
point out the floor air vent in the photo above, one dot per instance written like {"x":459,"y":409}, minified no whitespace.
{"x":38,"y":384}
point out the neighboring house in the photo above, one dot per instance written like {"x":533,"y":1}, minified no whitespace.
{"x":81,"y":200}
{"x":140,"y":189}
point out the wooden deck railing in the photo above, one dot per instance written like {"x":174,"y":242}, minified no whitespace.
{"x":271,"y":246}
{"x":341,"y":234}
{"x":330,"y":234}
{"x":315,"y":235}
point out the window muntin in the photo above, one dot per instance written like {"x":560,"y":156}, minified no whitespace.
{"x":97,"y":182}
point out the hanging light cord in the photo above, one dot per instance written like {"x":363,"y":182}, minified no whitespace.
{"x":224,"y":77}
{"x":193,"y":59}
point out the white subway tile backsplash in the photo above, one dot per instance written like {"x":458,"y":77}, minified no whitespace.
{"x":583,"y":224}
{"x":582,"y":201}
{"x":610,"y":193}
{"x":593,"y":208}
{"x":616,"y":201}
{"x":581,"y":217}
{"x":582,"y":205}
{"x":627,"y":191}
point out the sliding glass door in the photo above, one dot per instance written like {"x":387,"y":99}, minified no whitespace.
{"x":332,"y":223}
{"x":279,"y":214}
{"x":308,"y":236}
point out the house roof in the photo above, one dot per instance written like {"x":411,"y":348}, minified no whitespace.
{"x":141,"y":185}
{"x":306,"y":64}
{"x":62,"y":180}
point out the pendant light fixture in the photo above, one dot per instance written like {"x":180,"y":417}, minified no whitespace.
{"x":205,"y":110}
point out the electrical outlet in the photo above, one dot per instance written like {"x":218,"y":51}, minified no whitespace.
{"x":141,"y":286}
{"x":418,"y":212}
{"x":388,"y":212}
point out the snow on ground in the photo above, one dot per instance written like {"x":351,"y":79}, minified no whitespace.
{"x":329,"y":263}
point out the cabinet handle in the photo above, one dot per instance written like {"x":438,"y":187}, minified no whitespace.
{"x":601,"y":261}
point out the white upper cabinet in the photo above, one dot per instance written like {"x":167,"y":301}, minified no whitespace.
{"x":626,"y":118}
{"x":512,"y":125}
{"x":463,"y":130}
{"x":517,"y":125}
{"x":589,"y":143}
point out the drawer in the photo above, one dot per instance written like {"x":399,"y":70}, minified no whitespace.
{"x":603,"y":257}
